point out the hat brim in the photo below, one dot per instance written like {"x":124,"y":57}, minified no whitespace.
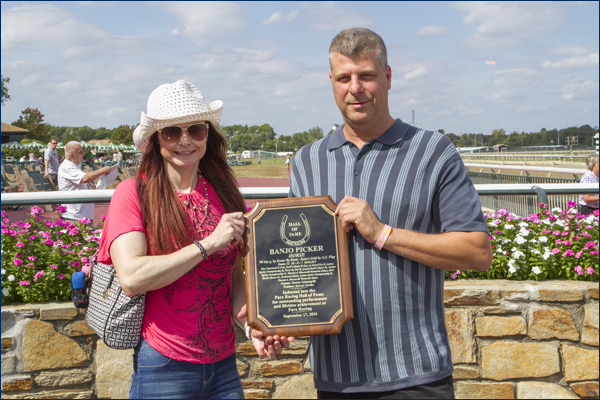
{"x":149,"y":125}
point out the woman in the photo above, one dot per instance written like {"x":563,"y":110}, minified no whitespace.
{"x":175,"y":232}
{"x":588,"y":203}
{"x":288,"y":162}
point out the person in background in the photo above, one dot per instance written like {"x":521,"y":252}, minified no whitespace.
{"x":23,"y":159}
{"x":175,"y":232}
{"x":411,"y":212}
{"x":31,"y":156}
{"x":119,"y":158}
{"x":288,"y":162}
{"x":71,"y":178}
{"x":51,"y":162}
{"x":588,"y":203}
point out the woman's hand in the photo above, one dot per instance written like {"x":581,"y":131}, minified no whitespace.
{"x":268,"y":346}
{"x":229,"y":230}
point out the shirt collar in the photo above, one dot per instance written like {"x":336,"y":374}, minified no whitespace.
{"x":393,"y":135}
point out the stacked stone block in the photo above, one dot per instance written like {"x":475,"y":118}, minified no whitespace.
{"x":509,"y":340}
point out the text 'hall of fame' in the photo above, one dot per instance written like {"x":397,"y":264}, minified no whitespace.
{"x":297,"y":268}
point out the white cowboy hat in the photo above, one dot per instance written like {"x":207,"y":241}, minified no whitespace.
{"x":172,"y":104}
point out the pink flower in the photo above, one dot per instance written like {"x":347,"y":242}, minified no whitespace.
{"x":61,"y":209}
{"x":453,"y":275}
{"x":20,"y":245}
{"x":45,"y":235}
{"x":84,"y":221}
{"x":103,"y":217}
{"x":38,"y":274}
{"x":75,"y":263}
{"x":589,"y":270}
{"x":35,"y":210}
{"x":49,"y":242}
{"x":76,"y":244}
{"x":555,"y":251}
{"x":3,"y":214}
{"x":84,"y":260}
{"x":32,"y":237}
{"x":565,"y":233}
{"x":556,"y":233}
{"x":558,"y":242}
{"x":588,"y":227}
{"x":61,"y":276}
{"x":568,"y":253}
{"x":579,"y":253}
{"x":567,"y":243}
{"x":73,"y":232}
{"x":579,"y":270}
{"x":29,"y":265}
{"x":17,"y":262}
{"x":52,"y":266}
{"x":594,"y":252}
{"x":25,"y":283}
{"x":571,"y":204}
{"x":18,"y":255}
{"x":32,"y":258}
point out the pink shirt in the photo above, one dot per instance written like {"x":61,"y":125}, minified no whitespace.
{"x":190,"y":319}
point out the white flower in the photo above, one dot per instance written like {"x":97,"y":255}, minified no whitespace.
{"x":11,"y":278}
{"x":533,"y":240}
{"x":560,"y":222}
{"x":3,"y":271}
{"x":506,"y":241}
{"x":518,"y":254}
{"x":543,"y":239}
{"x":523,"y":224}
{"x":512,"y":269}
{"x":535,"y":251}
{"x":520,"y":240}
{"x":547,"y":222}
{"x":536,"y":270}
{"x":499,"y":250}
{"x":556,"y":209}
{"x":493,"y":223}
{"x":5,"y":292}
{"x":509,"y":226}
{"x":524,"y":232}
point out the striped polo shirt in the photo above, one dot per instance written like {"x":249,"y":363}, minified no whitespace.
{"x":412,"y":179}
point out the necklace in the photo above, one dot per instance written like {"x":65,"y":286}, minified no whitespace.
{"x":186,"y":204}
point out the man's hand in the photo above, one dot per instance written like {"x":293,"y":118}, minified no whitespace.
{"x":46,"y":174}
{"x":356,"y":213}
{"x":268,"y":346}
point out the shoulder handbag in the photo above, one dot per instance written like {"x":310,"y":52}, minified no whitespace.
{"x":115,"y":317}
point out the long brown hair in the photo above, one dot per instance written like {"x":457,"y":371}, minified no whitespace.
{"x":168,"y":227}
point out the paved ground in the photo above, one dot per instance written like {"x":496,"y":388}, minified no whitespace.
{"x":102,"y":208}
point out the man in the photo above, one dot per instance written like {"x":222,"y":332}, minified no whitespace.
{"x":120,"y":159}
{"x":51,"y":162}
{"x":411,"y":212}
{"x":71,"y":177}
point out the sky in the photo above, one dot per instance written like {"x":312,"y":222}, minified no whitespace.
{"x":464,"y":67}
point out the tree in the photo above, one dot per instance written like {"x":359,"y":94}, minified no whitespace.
{"x":5,"y":95}
{"x":33,"y":120}
{"x":122,"y":134}
{"x":315,"y":134}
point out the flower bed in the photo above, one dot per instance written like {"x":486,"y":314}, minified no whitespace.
{"x":39,"y":256}
{"x":552,"y":244}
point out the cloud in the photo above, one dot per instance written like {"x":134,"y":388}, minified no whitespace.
{"x":432,"y":30}
{"x":202,"y":20}
{"x":416,"y":73}
{"x":570,"y":50}
{"x":56,"y":28}
{"x":329,"y":16}
{"x":574,"y":62}
{"x":278,"y":17}
{"x":580,"y":89}
{"x":512,"y":83}
{"x":506,"y":24}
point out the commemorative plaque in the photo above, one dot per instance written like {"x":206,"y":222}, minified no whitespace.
{"x":297,"y":269}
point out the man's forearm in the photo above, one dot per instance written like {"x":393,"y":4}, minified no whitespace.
{"x":450,"y":250}
{"x":93,"y":175}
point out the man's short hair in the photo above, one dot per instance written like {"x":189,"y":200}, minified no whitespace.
{"x":354,"y":42}
{"x":69,"y":147}
{"x":590,"y":161}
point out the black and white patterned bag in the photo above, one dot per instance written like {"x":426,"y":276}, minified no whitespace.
{"x":115,"y":317}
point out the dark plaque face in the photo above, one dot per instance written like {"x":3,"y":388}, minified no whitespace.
{"x":297,"y":267}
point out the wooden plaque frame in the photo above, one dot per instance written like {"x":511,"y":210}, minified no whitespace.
{"x":332,"y":313}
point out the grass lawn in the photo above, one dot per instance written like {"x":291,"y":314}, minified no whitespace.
{"x":268,"y":168}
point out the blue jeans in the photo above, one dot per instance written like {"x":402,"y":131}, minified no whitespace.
{"x":159,"y":377}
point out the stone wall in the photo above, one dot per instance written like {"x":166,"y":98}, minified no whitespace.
{"x":509,"y":340}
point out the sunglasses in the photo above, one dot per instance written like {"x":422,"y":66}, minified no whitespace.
{"x":172,"y":134}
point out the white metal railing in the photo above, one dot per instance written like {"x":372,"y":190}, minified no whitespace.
{"x":104,"y":196}
{"x":499,"y":167}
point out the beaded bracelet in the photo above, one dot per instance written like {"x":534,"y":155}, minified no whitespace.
{"x":384,"y":237}
{"x":202,"y":250}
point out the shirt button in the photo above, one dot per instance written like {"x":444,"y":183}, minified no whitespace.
{"x":355,"y":173}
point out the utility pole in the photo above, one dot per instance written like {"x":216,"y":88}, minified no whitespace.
{"x":413,"y":117}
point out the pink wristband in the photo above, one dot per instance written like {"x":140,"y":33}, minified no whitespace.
{"x":384,"y":237}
